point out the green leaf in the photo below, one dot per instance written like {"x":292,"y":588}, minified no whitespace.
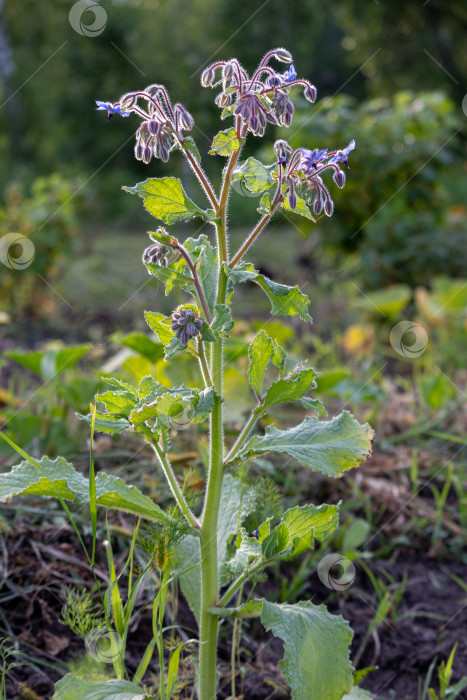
{"x":165,"y":199}
{"x":226,"y":142}
{"x":160,"y":324}
{"x":291,"y":388}
{"x":190,"y":145}
{"x":276,"y":543}
{"x":253,"y":175}
{"x":106,"y":424}
{"x":302,"y":209}
{"x":279,"y":357}
{"x":222,"y":322}
{"x":204,"y":257}
{"x":252,"y":608}
{"x":316,"y":662}
{"x":51,"y":362}
{"x":58,"y":478}
{"x":247,"y":548}
{"x":313,"y":405}
{"x":308,"y":523}
{"x":265,"y":204}
{"x":260,"y":352}
{"x":117,"y":403}
{"x":358,"y":694}
{"x":285,"y":300}
{"x":140,"y":343}
{"x":75,"y":688}
{"x":330,"y":447}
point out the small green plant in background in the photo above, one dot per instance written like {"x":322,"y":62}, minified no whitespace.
{"x":211,"y":553}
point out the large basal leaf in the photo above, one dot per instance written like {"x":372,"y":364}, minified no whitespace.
{"x":236,"y":503}
{"x":74,"y":688}
{"x":253,"y":175}
{"x":285,"y":300}
{"x":316,"y":661}
{"x":260,"y":352}
{"x":226,"y":142}
{"x":58,"y":478}
{"x":330,"y":447}
{"x":165,"y":198}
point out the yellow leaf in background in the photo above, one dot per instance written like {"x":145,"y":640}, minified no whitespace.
{"x":358,"y":339}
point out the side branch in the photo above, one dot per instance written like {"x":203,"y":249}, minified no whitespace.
{"x":201,"y":177}
{"x":257,"y":230}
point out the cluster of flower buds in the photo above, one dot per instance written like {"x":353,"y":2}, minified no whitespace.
{"x":301,"y":170}
{"x":260,"y":99}
{"x":186,"y":324}
{"x":160,"y":254}
{"x":162,"y":125}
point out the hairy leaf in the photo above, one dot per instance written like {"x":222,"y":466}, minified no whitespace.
{"x":58,"y":477}
{"x":291,"y":388}
{"x":260,"y":352}
{"x":253,"y":175}
{"x":225,"y":142}
{"x":160,"y":324}
{"x":301,"y":208}
{"x":165,"y":198}
{"x":316,"y":661}
{"x":308,"y":523}
{"x":75,"y":688}
{"x":285,"y":300}
{"x":330,"y":447}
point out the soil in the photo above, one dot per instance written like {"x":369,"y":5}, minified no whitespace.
{"x":431,"y":618}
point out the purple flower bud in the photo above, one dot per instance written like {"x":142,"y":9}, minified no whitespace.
{"x":186,"y":120}
{"x":227,"y":71}
{"x":207,"y":77}
{"x":161,"y":151}
{"x":153,"y":127}
{"x":186,"y":325}
{"x":152,"y":90}
{"x":253,"y":124}
{"x":283,"y":55}
{"x":281,"y":147}
{"x":129,"y":100}
{"x":289,"y":107}
{"x":328,"y":207}
{"x":339,"y":178}
{"x":139,"y":151}
{"x":292,"y":199}
{"x":310,"y":93}
{"x":286,"y":119}
{"x":223,"y":100}
{"x":318,"y":205}
{"x":147,"y":154}
{"x":271,"y":118}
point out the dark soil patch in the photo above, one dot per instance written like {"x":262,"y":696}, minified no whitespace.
{"x":432,"y":617}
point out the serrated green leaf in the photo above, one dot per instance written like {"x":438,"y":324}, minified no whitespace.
{"x":285,"y":300}
{"x":106,"y":424}
{"x":226,"y":142}
{"x":253,"y":175}
{"x":252,"y":608}
{"x":260,"y":352}
{"x":247,"y":548}
{"x":165,"y":199}
{"x":75,"y":688}
{"x":58,"y":477}
{"x":276,"y":543}
{"x":330,"y":447}
{"x":301,"y":208}
{"x":222,"y":322}
{"x":190,"y":145}
{"x":279,"y":357}
{"x":316,"y":661}
{"x":206,"y":334}
{"x":308,"y":523}
{"x":313,"y":405}
{"x":160,"y":324}
{"x":291,"y":388}
{"x":117,"y":403}
{"x":122,"y":386}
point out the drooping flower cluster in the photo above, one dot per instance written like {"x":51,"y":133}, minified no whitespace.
{"x":160,"y":254}
{"x":186,"y":324}
{"x":162,"y":125}
{"x":302,"y":172}
{"x":260,"y":99}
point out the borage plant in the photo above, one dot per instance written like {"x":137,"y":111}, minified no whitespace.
{"x":211,"y":553}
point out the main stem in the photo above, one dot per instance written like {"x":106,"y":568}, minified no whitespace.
{"x":208,"y":541}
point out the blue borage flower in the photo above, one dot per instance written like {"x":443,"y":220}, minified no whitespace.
{"x":302,"y":171}
{"x":261,"y":98}
{"x":162,"y":125}
{"x":111,"y":109}
{"x":342,"y":156}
